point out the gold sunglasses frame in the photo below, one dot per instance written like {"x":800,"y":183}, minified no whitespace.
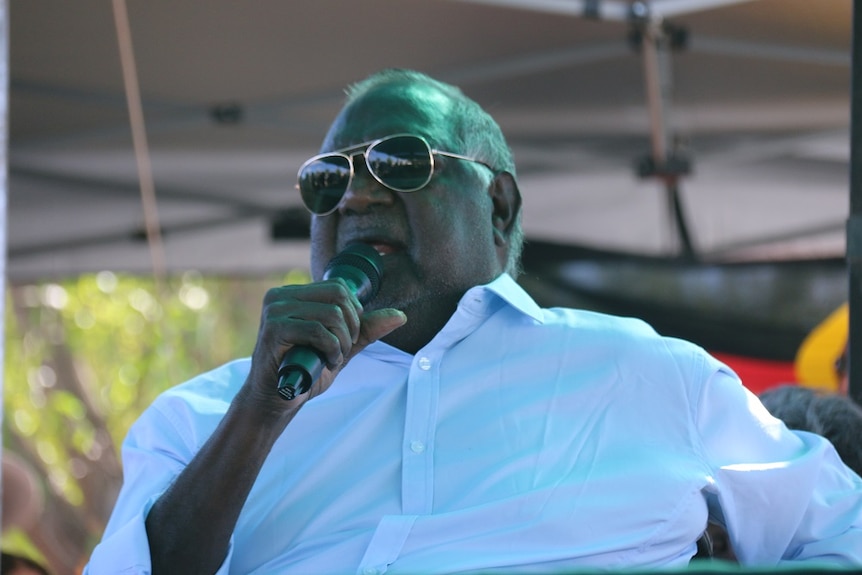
{"x":362,"y":149}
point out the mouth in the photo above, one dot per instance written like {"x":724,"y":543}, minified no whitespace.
{"x":384,"y":247}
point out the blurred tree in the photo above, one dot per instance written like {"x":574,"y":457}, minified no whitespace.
{"x":84,"y":357}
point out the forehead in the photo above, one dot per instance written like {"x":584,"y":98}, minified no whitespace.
{"x":393,"y":109}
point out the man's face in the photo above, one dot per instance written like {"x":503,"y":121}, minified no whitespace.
{"x":437,"y":242}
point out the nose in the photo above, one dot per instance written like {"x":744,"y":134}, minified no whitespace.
{"x":364,"y":191}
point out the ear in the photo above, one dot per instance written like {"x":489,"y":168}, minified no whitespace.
{"x":506,"y":201}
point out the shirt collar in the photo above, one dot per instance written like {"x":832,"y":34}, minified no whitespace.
{"x":506,"y":288}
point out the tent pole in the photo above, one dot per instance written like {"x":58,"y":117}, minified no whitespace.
{"x":664,"y":163}
{"x":854,"y":222}
{"x":4,"y":181}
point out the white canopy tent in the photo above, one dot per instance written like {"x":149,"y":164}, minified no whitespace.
{"x":235,"y":95}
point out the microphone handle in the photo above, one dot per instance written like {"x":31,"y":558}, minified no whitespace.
{"x":298,"y":370}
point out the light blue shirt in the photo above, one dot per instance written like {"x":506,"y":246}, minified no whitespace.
{"x":520,"y":439}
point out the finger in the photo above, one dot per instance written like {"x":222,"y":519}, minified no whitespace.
{"x":334,"y":291}
{"x":376,"y":325}
{"x":318,"y":325}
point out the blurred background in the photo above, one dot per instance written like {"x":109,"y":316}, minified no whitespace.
{"x":684,"y":161}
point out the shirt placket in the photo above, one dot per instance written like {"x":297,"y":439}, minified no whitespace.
{"x":417,"y":471}
{"x":417,"y":450}
{"x":417,"y":478}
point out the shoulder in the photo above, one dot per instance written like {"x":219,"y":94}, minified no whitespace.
{"x":214,"y":386}
{"x":199,"y":402}
{"x":624,"y":333}
{"x":598,"y":323}
{"x":632,"y":345}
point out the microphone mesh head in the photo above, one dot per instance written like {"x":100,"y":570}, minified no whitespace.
{"x":363,"y":258}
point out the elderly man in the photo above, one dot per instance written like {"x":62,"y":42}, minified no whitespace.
{"x":457,"y":426}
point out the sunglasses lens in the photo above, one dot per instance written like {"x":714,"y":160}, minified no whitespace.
{"x":402,"y":163}
{"x":322,"y":183}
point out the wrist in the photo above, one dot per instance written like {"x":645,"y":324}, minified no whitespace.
{"x":263,"y":408}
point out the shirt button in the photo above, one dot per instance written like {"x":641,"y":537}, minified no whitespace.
{"x":417,"y":446}
{"x":424,"y":363}
{"x":370,"y":571}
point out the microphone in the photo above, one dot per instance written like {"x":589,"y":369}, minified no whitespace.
{"x":360,"y":266}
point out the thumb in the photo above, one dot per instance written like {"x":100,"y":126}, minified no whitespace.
{"x":377,"y":324}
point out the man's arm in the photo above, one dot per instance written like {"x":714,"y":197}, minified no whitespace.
{"x":784,"y":496}
{"x":188,"y":528}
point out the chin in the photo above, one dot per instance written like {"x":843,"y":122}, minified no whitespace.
{"x":385,"y":299}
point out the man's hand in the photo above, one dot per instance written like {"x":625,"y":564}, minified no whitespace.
{"x":326,"y":316}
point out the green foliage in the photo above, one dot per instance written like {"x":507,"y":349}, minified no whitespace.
{"x":85,"y":356}
{"x":15,"y":541}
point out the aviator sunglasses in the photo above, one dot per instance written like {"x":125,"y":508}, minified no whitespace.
{"x":401,"y":162}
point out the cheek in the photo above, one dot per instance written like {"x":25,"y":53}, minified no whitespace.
{"x":322,"y":244}
{"x":472,"y":223}
{"x":461,"y":231}
{"x":453,"y":226}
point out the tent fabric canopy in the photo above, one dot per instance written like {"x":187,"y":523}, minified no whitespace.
{"x":236,"y":96}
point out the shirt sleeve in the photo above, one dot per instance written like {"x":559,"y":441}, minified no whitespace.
{"x":783,"y":496}
{"x":152,"y":456}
